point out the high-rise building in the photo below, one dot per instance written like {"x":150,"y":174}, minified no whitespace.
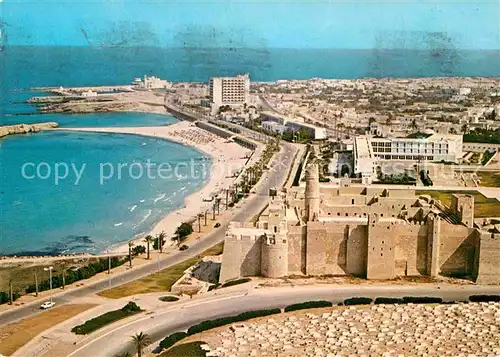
{"x":229,"y":90}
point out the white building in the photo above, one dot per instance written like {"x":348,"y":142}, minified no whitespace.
{"x":151,"y":83}
{"x":364,"y":160}
{"x":155,"y":83}
{"x":369,"y":152}
{"x":229,"y":91}
{"x":295,"y":126}
{"x":89,"y":94}
{"x":273,"y":127}
{"x":436,"y":147}
{"x":314,"y":131}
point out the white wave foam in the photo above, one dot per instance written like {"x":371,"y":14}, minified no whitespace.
{"x":160,"y":197}
{"x":133,"y":208}
{"x":118,"y":224}
{"x":141,"y":201}
{"x":143,"y":218}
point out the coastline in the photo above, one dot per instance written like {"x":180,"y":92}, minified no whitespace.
{"x":227,"y":158}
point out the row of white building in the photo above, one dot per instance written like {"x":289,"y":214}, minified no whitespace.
{"x":279,"y":124}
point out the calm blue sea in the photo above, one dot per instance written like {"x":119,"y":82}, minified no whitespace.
{"x":41,"y":217}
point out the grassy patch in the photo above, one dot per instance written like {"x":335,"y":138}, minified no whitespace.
{"x":105,"y":319}
{"x":483,"y":206}
{"x":14,"y":336}
{"x":489,"y":179}
{"x":191,"y":349}
{"x":161,"y":281}
{"x":22,"y":274}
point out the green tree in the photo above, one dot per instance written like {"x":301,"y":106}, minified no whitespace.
{"x":413,"y":124}
{"x":184,"y":230}
{"x":140,"y":341}
{"x":148,"y":239}
{"x":130,"y":245}
{"x":465,"y":128}
{"x":161,"y":240}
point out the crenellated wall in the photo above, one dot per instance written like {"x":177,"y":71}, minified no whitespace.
{"x":486,"y":268}
{"x":380,"y":263}
{"x":456,"y":253}
{"x":297,"y":237}
{"x":275,"y":257}
{"x":356,"y":251}
{"x":326,"y":247}
{"x":366,"y":232}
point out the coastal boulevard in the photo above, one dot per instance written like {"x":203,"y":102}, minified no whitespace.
{"x":220,"y":303}
{"x":274,"y":177}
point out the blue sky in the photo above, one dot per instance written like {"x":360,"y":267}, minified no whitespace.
{"x":459,"y":24}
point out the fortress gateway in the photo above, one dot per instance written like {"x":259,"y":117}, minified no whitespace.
{"x":362,"y":231}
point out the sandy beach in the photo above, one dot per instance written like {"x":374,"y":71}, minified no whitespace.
{"x":228,"y":158}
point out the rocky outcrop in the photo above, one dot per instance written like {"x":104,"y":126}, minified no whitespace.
{"x":75,"y":107}
{"x":25,"y":128}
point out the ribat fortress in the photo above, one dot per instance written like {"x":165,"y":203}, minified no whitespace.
{"x":368,"y":232}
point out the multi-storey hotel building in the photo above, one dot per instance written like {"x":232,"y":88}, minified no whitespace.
{"x":229,"y":90}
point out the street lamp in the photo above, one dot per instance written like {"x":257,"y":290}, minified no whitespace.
{"x":109,"y":268}
{"x":49,"y":269}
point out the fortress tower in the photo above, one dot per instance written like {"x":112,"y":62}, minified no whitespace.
{"x":463,"y":207}
{"x":312,"y":193}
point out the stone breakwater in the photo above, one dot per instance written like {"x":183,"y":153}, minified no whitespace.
{"x":381,"y":330}
{"x":25,"y":128}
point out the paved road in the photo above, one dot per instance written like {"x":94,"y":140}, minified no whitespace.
{"x":180,"y":316}
{"x":250,"y":207}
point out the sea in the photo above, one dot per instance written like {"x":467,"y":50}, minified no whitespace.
{"x":45,"y":216}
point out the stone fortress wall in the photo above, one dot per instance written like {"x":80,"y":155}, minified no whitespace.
{"x":362,"y":231}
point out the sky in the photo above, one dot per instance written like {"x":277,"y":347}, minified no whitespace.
{"x":424,"y":24}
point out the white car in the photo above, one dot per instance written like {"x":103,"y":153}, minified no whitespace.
{"x":47,"y":305}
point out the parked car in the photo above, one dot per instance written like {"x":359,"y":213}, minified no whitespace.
{"x":47,"y":305}
{"x":183,"y":247}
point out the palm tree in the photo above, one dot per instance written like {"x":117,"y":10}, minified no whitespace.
{"x":199,"y":215}
{"x":130,"y":245}
{"x":413,"y":124}
{"x":465,"y":128}
{"x":148,"y":239}
{"x":140,"y":341}
{"x":161,"y":237}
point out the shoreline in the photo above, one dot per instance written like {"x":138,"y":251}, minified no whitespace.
{"x":193,"y":203}
{"x":227,"y":158}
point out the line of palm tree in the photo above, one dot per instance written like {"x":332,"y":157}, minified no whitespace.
{"x":148,"y":239}
{"x":140,"y":340}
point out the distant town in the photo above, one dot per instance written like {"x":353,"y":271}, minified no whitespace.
{"x":377,"y":130}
